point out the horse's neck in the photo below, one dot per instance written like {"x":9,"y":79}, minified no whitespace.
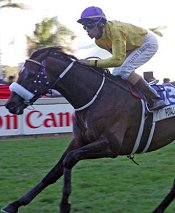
{"x":79,"y":85}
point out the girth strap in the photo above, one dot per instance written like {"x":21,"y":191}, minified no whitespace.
{"x":140,"y":132}
{"x":145,"y":133}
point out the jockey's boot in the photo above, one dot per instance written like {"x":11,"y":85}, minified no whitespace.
{"x":153,"y":100}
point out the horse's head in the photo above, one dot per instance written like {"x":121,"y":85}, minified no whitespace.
{"x":36,"y":77}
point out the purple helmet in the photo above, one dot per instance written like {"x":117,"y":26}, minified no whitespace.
{"x":92,"y":14}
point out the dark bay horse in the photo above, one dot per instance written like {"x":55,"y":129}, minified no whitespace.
{"x":107,"y":117}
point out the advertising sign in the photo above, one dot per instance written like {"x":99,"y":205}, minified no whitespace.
{"x":41,"y":119}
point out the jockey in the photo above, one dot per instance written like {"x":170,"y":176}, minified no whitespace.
{"x":130,"y":46}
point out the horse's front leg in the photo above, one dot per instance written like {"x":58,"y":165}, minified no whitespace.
{"x":98,"y":149}
{"x":166,"y":201}
{"x":55,"y":173}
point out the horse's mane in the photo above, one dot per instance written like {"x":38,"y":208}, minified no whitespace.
{"x":52,"y":51}
{"x":55,"y":51}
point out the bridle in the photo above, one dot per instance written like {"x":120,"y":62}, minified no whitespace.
{"x":43,"y":71}
{"x":29,"y":97}
{"x":36,"y":62}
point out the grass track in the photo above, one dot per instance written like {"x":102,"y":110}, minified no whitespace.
{"x":103,"y":185}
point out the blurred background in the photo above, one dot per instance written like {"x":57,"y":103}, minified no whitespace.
{"x":26,"y":25}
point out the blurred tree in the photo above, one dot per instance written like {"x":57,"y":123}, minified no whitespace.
{"x":157,"y":30}
{"x":10,"y":71}
{"x":10,"y":4}
{"x":47,"y":33}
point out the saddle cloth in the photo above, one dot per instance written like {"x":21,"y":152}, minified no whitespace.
{"x":166,"y":93}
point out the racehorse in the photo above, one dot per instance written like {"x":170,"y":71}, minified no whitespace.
{"x":108,"y":119}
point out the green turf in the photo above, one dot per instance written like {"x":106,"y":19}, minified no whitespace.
{"x":103,"y":185}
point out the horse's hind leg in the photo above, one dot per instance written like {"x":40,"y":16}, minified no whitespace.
{"x":55,"y":173}
{"x":167,"y":200}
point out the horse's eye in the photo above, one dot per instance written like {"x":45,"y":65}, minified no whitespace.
{"x":30,"y":75}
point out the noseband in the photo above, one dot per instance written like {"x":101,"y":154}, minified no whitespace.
{"x":30,"y":97}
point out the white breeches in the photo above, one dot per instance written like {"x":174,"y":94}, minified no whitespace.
{"x":138,"y":57}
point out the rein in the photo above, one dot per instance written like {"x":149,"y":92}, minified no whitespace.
{"x":94,"y":98}
{"x":62,"y":74}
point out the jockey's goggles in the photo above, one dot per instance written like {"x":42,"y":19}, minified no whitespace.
{"x":89,"y":26}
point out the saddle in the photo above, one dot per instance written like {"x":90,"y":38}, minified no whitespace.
{"x":165,"y":91}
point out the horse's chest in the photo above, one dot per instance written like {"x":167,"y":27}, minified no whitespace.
{"x":90,"y":130}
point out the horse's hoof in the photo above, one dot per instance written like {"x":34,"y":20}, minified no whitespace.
{"x":9,"y":209}
{"x":65,"y":208}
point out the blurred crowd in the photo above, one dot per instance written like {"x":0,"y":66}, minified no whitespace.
{"x":10,"y":80}
{"x":4,"y":87}
{"x":149,"y":77}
